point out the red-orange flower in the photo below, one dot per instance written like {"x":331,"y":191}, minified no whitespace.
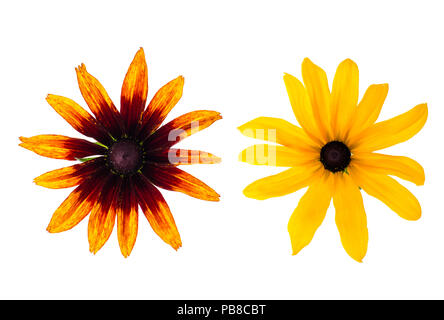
{"x":132,"y":156}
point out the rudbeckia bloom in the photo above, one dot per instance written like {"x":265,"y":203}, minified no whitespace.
{"x":132,"y":156}
{"x":332,"y":153}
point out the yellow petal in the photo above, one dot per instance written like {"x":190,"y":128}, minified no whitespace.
{"x":344,"y":98}
{"x":302,"y":108}
{"x":316,"y":82}
{"x":389,"y":191}
{"x":277,"y":130}
{"x":368,"y":109}
{"x":283,"y":183}
{"x":310,"y":212}
{"x":390,"y":132}
{"x":350,"y":217}
{"x":402,"y":167}
{"x":275,"y":155}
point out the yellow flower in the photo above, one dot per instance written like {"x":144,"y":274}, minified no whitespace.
{"x":332,"y":153}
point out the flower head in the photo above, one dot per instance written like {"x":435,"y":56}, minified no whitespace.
{"x":332,"y":153}
{"x":132,"y":156}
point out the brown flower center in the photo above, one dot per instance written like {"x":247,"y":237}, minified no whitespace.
{"x":125,"y":157}
{"x":335,"y":156}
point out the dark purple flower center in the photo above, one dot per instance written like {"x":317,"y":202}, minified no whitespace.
{"x":335,"y":156}
{"x":125,"y":157}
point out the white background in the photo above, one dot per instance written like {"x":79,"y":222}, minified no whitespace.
{"x":233,"y":55}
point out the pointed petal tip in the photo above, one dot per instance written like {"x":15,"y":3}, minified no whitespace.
{"x":218,"y":115}
{"x":217,"y":160}
{"x":176,"y":245}
{"x":140,"y":54}
{"x":125,"y":253}
{"x":295,"y":252}
{"x":358,"y":259}
{"x":307,"y":61}
{"x":51,"y":228}
{"x":348,"y":61}
{"x":81,"y":67}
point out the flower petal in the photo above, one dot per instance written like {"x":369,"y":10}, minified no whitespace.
{"x":177,"y":157}
{"x":344,"y":98}
{"x":181,"y":128}
{"x":278,"y":131}
{"x":175,"y":179}
{"x":316,"y":82}
{"x":99,"y":102}
{"x":78,"y":204}
{"x":368,"y":110}
{"x":302,"y":109}
{"x":78,"y":117}
{"x":350,"y":217}
{"x":61,"y":147}
{"x":389,"y":191}
{"x":310,"y":212}
{"x":402,"y":167}
{"x":283,"y":183}
{"x":163,"y":101}
{"x":127,"y":217}
{"x":390,"y":132}
{"x":275,"y":155}
{"x":69,"y":176}
{"x":134,"y":92}
{"x":103,"y":215}
{"x":157,"y":212}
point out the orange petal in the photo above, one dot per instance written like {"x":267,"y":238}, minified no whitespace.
{"x":61,"y":147}
{"x":163,"y":101}
{"x":78,"y":117}
{"x":157,"y":212}
{"x":182,"y":156}
{"x":78,"y":204}
{"x":175,"y":179}
{"x":127,"y":218}
{"x":69,"y":176}
{"x":103,"y":215}
{"x":99,"y":102}
{"x":180,"y":128}
{"x":134,"y":92}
